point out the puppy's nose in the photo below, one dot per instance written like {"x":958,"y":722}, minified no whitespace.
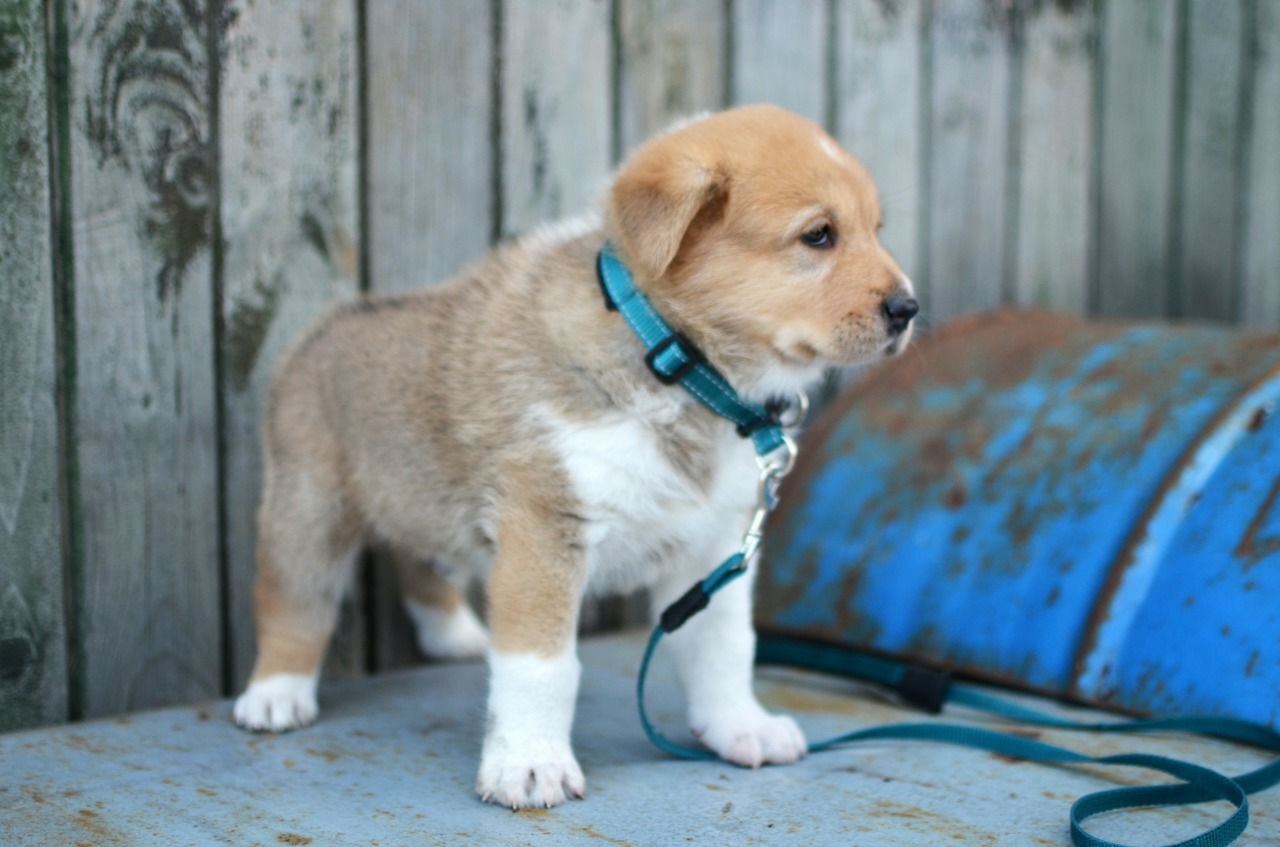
{"x":899,"y":311}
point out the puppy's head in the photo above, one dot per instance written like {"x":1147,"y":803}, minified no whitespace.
{"x":753,"y":225}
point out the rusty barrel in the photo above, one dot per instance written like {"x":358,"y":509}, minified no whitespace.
{"x":1083,"y":509}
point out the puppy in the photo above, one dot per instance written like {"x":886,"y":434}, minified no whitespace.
{"x":504,"y":425}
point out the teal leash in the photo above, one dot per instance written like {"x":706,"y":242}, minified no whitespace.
{"x":676,"y":360}
{"x":1198,"y":784}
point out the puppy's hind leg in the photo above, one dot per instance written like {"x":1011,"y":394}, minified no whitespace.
{"x":309,"y":540}
{"x":446,"y":626}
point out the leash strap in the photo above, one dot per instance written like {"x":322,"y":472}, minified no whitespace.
{"x":1198,"y":783}
{"x":674,"y":359}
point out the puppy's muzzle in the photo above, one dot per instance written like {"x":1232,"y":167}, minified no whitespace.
{"x":898,"y":311}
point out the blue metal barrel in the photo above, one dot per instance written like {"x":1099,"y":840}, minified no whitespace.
{"x":1083,"y":509}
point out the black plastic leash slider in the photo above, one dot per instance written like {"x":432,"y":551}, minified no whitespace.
{"x":690,"y":603}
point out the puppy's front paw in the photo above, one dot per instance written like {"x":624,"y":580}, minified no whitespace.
{"x":532,"y":775}
{"x":278,"y":703}
{"x":752,"y":737}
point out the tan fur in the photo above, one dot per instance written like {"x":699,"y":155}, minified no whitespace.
{"x":539,"y":572}
{"x":409,"y":420}
{"x":292,"y":635}
{"x":422,"y":581}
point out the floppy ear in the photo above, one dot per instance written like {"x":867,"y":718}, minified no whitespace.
{"x":657,"y":195}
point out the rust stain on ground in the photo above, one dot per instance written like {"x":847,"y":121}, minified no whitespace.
{"x":89,"y":820}
{"x":919,"y":819}
{"x":292,"y":838}
{"x":329,"y":756}
{"x":81,"y":743}
{"x":591,"y":832}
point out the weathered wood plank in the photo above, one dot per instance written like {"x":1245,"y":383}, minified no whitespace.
{"x":431,"y":184}
{"x":430,"y":157}
{"x":671,"y":63}
{"x":144,"y":405}
{"x":1055,"y":156}
{"x":556,"y":147}
{"x":1138,"y":66}
{"x":289,"y":223}
{"x":878,"y":113}
{"x":33,"y":668}
{"x":969,"y":156}
{"x":1210,"y":159}
{"x":1260,"y":264}
{"x":780,"y":54}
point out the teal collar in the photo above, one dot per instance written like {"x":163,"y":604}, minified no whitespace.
{"x":673,"y":358}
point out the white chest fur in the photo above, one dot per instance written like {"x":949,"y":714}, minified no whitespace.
{"x":643,"y":515}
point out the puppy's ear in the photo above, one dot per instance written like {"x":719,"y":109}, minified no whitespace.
{"x":655,"y":199}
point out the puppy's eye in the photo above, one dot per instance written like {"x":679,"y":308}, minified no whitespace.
{"x":820,"y":237}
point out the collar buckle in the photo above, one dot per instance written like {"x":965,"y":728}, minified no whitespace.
{"x":677,"y":344}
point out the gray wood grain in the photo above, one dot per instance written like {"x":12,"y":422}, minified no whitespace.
{"x":141,"y":209}
{"x":33,"y":668}
{"x":1260,"y":263}
{"x":431,"y":185}
{"x":1211,"y":116}
{"x":671,"y":63}
{"x":1055,"y":157}
{"x":780,"y":54}
{"x":430,"y":156}
{"x":969,"y":155}
{"x":556,"y":147}
{"x":1138,"y":66}
{"x":289,"y":223}
{"x":878,"y":113}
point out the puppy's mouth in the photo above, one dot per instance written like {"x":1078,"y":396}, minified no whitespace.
{"x":899,"y":342}
{"x":801,"y":353}
{"x":797,"y":353}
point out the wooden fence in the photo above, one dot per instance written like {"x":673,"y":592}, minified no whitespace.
{"x":186,"y":182}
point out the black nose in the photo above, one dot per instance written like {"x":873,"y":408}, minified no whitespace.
{"x":900,"y":311}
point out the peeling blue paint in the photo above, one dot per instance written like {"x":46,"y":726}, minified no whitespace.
{"x":979,"y":504}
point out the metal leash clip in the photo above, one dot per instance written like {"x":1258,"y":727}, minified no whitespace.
{"x":773,"y":467}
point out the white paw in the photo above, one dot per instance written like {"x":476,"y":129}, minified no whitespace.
{"x":457,"y":634}
{"x":535,"y":775}
{"x":278,"y":703}
{"x":751,"y":737}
